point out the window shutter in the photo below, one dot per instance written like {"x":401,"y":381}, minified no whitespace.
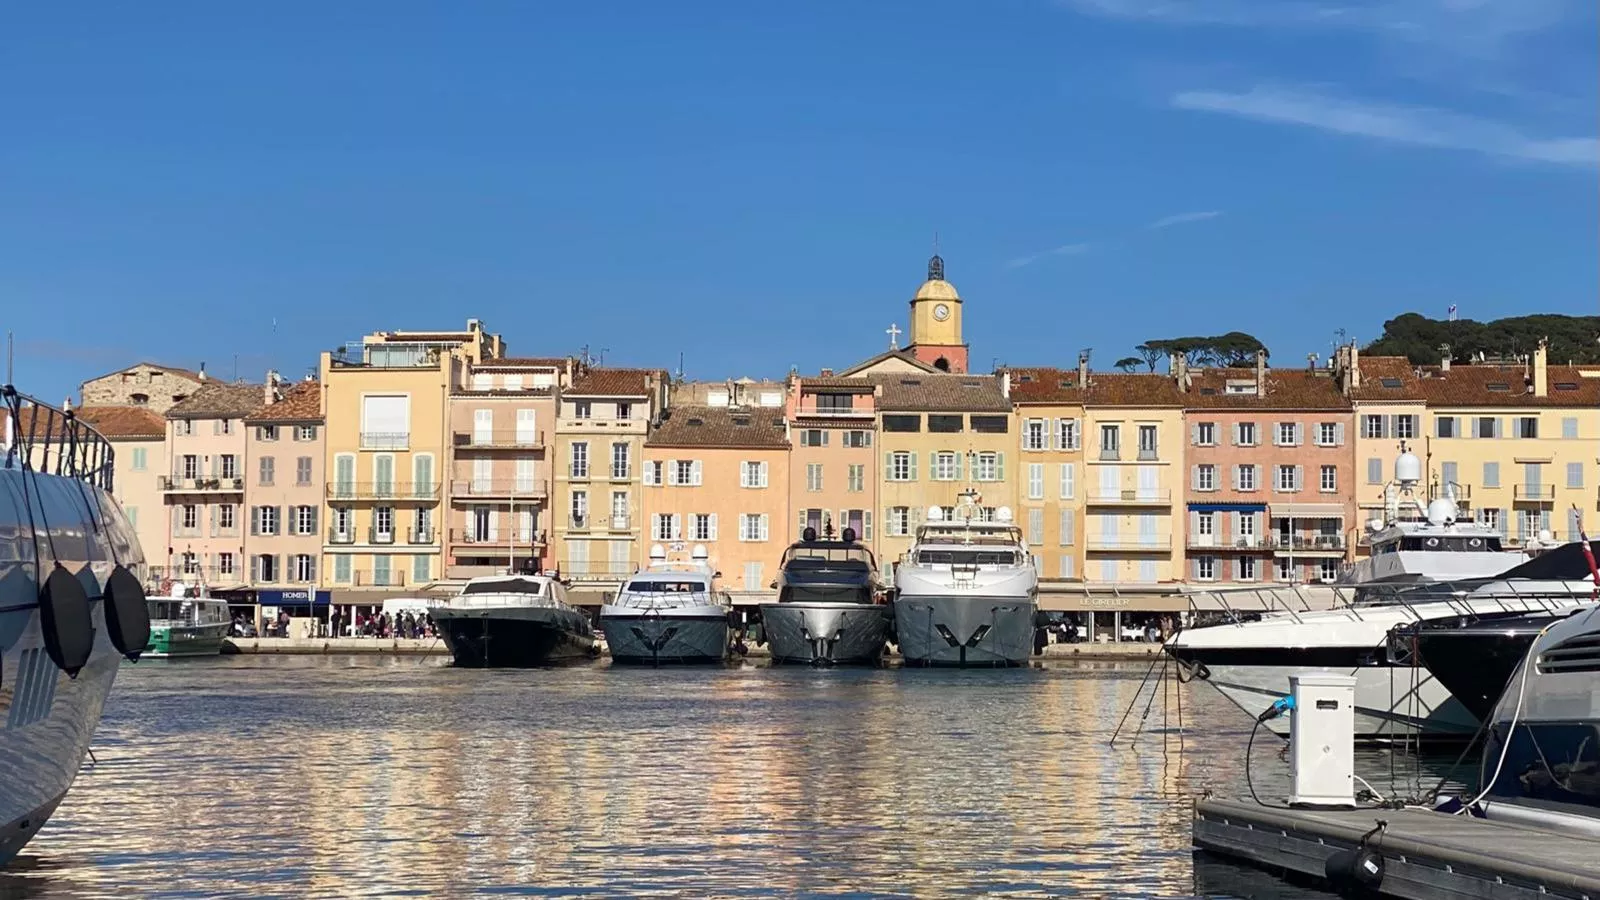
{"x":913,"y":458}
{"x":960,"y":461}
{"x":889,"y":519}
{"x":696,"y":472}
{"x":255,"y":520}
{"x":999,"y":467}
{"x":763,"y":470}
{"x":888,"y":466}
{"x":802,"y":524}
{"x":712,"y":526}
{"x":677,"y":526}
{"x":1338,"y":434}
{"x":1194,"y":434}
{"x":647,"y":476}
{"x":1299,"y":434}
{"x":1194,"y":478}
{"x":1194,"y":522}
{"x":764,"y":518}
{"x":866,"y":524}
{"x":672,"y":471}
{"x":1299,"y":478}
{"x":1069,"y":527}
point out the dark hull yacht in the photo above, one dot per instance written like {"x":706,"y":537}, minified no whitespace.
{"x":513,"y":621}
{"x":826,"y":612}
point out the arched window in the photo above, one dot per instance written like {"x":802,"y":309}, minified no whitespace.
{"x":942,"y":364}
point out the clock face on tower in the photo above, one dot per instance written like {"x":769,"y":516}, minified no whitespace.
{"x":941,"y":312}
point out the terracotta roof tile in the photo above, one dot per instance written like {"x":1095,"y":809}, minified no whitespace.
{"x":124,"y":422}
{"x":939,"y":392}
{"x":300,"y":403}
{"x":42,"y":423}
{"x":524,"y":362}
{"x":1489,"y":385}
{"x":836,"y":383}
{"x":613,"y":383}
{"x":1386,"y":378}
{"x":720,"y":426}
{"x":1042,"y":384}
{"x":220,"y":401}
{"x":1133,"y":389}
{"x":1286,"y":389}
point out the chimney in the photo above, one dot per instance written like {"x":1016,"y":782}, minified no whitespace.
{"x":826,"y":373}
{"x":1444,"y":358}
{"x":1541,"y":368}
{"x":1178,"y":366}
{"x":1005,"y":384}
{"x":1261,"y":373}
{"x":1355,"y":366}
{"x":1083,"y":369}
{"x":202,"y":372}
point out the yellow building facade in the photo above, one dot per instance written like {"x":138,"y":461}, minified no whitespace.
{"x":386,"y":403}
{"x":1133,"y":440}
{"x":1048,"y":425}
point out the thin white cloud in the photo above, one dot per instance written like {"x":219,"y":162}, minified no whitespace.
{"x":1063,"y":250}
{"x":1185,"y":218}
{"x":1476,"y":28}
{"x":1420,"y":126}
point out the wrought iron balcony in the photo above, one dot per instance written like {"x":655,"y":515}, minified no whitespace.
{"x":1534,"y":493}
{"x":376,"y":535}
{"x":1133,"y":543}
{"x":510,"y":538}
{"x":1130,"y":497}
{"x":507,"y":439}
{"x":385,"y":440}
{"x":344,"y":536}
{"x":382,"y":490}
{"x":494,"y":487}
{"x":180,"y":484}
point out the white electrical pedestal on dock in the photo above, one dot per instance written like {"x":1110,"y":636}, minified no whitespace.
{"x":1322,"y":741}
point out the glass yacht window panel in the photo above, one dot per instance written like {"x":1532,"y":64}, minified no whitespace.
{"x":507,"y":586}
{"x":969,"y":557}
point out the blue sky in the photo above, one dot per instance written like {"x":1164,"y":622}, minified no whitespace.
{"x":757,"y":186}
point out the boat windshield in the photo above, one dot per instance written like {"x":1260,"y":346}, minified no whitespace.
{"x":1446,"y":543}
{"x":826,"y":593}
{"x":968,"y":558}
{"x":819,"y":552}
{"x":507,"y":586}
{"x":662,"y":586}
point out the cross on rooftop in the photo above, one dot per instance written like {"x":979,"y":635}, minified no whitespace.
{"x":893,"y":331}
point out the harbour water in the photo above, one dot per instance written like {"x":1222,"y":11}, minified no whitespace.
{"x":371,"y":776}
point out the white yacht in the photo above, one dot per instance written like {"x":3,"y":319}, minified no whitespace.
{"x":1541,"y":764}
{"x":513,"y":621}
{"x":71,"y":606}
{"x":1443,"y":568}
{"x":966,"y":593}
{"x":668,"y":612}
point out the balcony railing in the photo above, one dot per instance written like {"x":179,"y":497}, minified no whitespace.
{"x":578,"y":473}
{"x":385,"y":440}
{"x":830,"y":413}
{"x":590,"y":523}
{"x":1534,"y":493}
{"x":1308,"y":543}
{"x":341,"y":536}
{"x":417,"y":536}
{"x":196,"y":574}
{"x":1463,"y":492}
{"x":382,"y":490}
{"x":622,"y":473}
{"x":1132,"y":543}
{"x":377,"y":535}
{"x":1131,"y":496}
{"x":512,"y":538}
{"x":1110,"y":454}
{"x":1215,"y":542}
{"x":499,"y":440}
{"x":373,"y":578}
{"x":180,"y":483}
{"x":596,"y":569}
{"x":474,"y":487}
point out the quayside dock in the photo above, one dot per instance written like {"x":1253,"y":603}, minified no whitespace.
{"x":301,"y":646}
{"x":1426,"y":855}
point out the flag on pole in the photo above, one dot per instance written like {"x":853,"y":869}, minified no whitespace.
{"x":1588,"y":552}
{"x":1452,"y":313}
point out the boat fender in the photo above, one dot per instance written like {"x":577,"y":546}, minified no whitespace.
{"x":127,"y":613}
{"x":1357,"y":871}
{"x":65,"y":621}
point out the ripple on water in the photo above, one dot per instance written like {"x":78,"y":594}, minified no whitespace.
{"x":360,"y":777}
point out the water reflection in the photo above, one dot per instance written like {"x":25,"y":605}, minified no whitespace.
{"x":358,"y":777}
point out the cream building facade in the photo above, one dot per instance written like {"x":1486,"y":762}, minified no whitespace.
{"x":1048,"y":425}
{"x":386,"y":402}
{"x":833,"y":473}
{"x":502,"y":427}
{"x":601,"y":425}
{"x":203,"y":488}
{"x":138,"y":437}
{"x":718,"y":477}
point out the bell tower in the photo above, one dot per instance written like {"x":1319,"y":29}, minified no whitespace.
{"x":936,"y":322}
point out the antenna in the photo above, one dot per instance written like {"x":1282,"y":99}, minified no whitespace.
{"x":680,"y":365}
{"x":11,"y":356}
{"x":936,"y":242}
{"x":1341,"y":337}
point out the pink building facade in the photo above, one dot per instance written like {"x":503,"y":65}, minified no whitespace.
{"x":1271,"y":463}
{"x":284,"y":489}
{"x":204,"y":489}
